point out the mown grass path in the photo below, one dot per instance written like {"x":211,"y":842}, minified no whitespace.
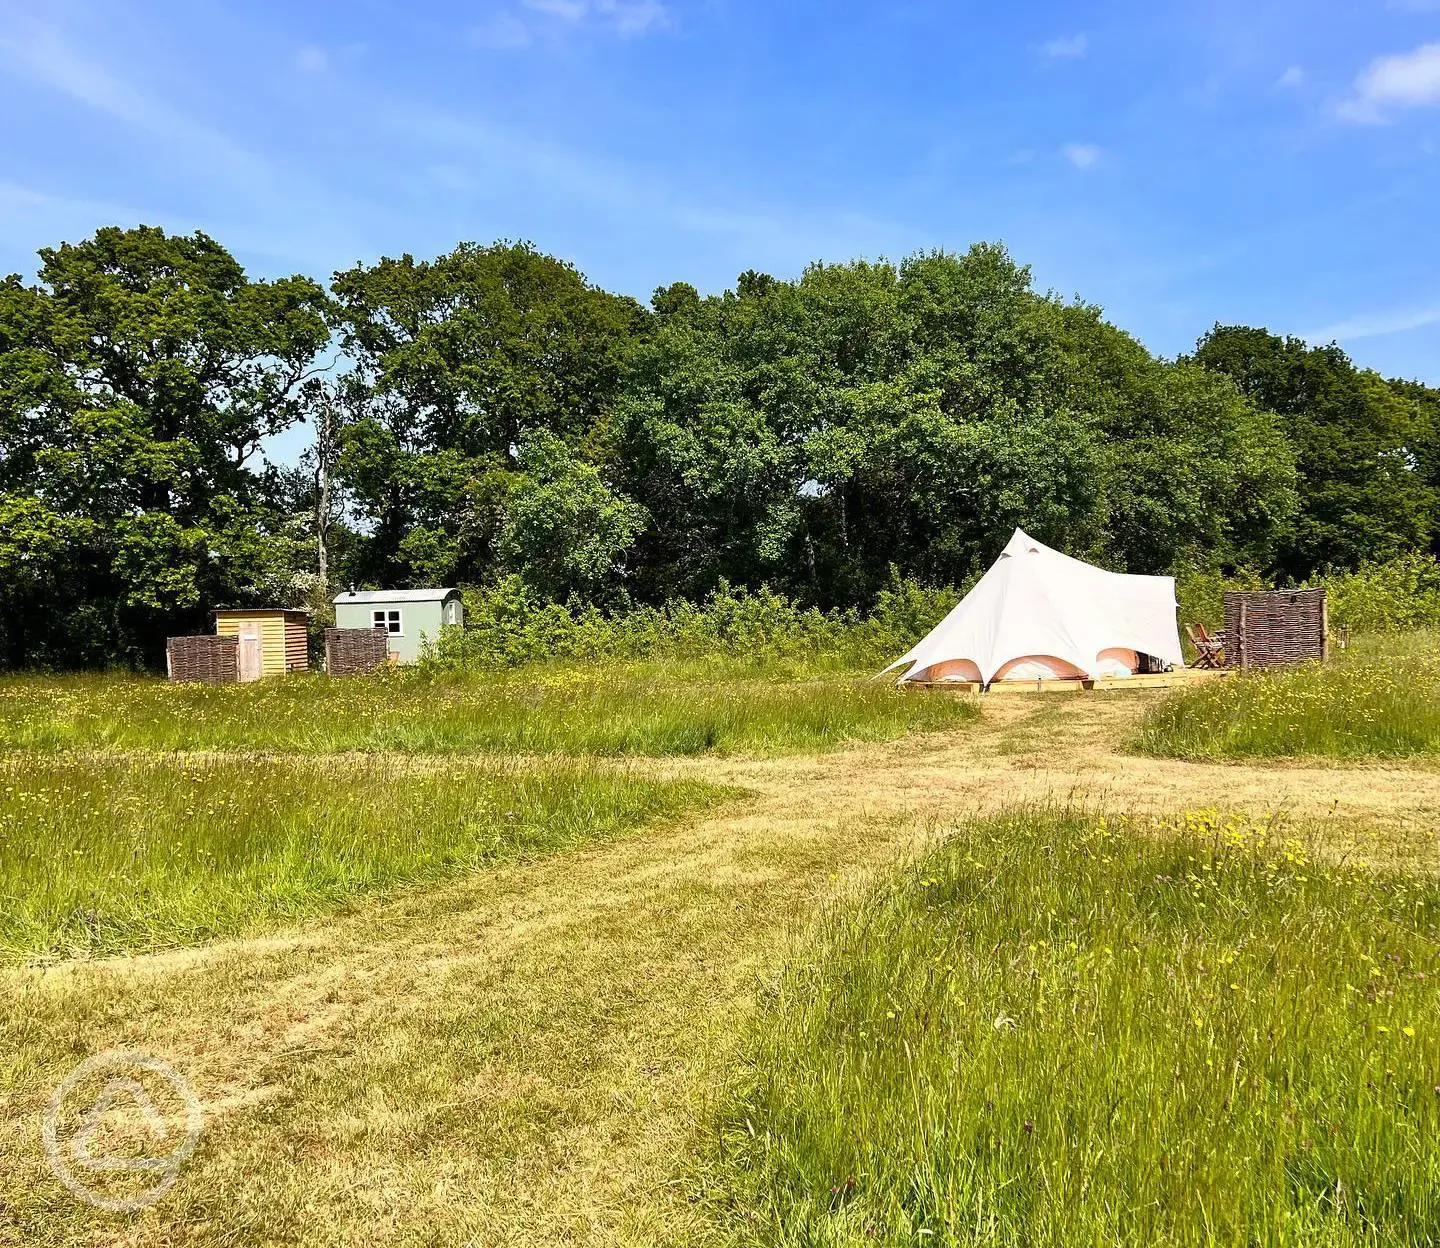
{"x":522,"y":1056}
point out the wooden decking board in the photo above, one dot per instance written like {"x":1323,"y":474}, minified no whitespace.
{"x":1159,"y":680}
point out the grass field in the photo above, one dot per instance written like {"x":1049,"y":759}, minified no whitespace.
{"x":435,"y":1023}
{"x":621,"y":710}
{"x":1063,"y":1029}
{"x":1382,"y":706}
{"x":135,"y":853}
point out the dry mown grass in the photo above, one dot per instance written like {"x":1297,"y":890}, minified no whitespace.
{"x":134,"y":853}
{"x":521,"y":1056}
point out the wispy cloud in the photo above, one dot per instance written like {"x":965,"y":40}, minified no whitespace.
{"x":312,"y":60}
{"x":501,"y":31}
{"x":228,"y":190}
{"x":566,"y":10}
{"x":1404,"y":80}
{"x":511,"y":29}
{"x":1082,"y":155}
{"x":467,"y":154}
{"x":1292,"y":77}
{"x":635,"y":17}
{"x":1066,"y":47}
{"x":24,"y":211}
{"x":40,"y":53}
{"x":1376,"y":325}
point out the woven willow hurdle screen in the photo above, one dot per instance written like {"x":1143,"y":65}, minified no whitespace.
{"x":350,"y":650}
{"x":1273,"y":628}
{"x":205,"y":660}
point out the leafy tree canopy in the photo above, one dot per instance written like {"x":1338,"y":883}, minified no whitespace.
{"x":494,"y":417}
{"x":1363,"y":493}
{"x":463,"y":360}
{"x":813,"y":433}
{"x":138,"y":379}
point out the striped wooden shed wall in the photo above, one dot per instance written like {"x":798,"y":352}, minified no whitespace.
{"x":280,"y":642}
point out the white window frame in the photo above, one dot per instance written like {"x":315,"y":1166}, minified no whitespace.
{"x":391,"y":619}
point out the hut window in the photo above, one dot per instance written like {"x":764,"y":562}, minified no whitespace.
{"x":389,"y":621}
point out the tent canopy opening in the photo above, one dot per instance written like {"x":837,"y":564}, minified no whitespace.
{"x":1040,"y":615}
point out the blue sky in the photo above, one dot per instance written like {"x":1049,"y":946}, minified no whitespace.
{"x":1179,"y":164}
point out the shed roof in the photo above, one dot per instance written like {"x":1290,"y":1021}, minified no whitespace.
{"x":261,"y":611}
{"x":395,"y":595}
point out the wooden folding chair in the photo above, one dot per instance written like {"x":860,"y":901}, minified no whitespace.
{"x":1209,"y":651}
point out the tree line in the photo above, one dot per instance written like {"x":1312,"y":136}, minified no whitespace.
{"x":490,"y":413}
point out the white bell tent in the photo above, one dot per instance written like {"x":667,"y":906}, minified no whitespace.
{"x":1040,"y":615}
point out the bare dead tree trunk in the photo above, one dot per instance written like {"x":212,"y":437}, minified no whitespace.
{"x":324,"y":457}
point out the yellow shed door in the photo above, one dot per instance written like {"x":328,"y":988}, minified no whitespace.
{"x":250,"y":656}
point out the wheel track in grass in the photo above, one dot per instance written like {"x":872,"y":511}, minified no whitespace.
{"x":521,"y":1056}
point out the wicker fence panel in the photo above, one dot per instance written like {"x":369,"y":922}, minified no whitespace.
{"x":206,"y":660}
{"x":350,"y":650}
{"x":1273,"y":628}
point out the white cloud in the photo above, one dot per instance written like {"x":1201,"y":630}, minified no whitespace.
{"x":40,"y":53}
{"x":312,"y":60}
{"x":231,"y":192}
{"x":25,"y":211}
{"x":1404,"y":80}
{"x":1066,"y":47}
{"x":1082,"y":155}
{"x":1292,"y":77}
{"x":634,"y":17}
{"x":1375,"y":325}
{"x":466,"y":155}
{"x":568,"y":10}
{"x":502,"y":31}
{"x":623,"y":17}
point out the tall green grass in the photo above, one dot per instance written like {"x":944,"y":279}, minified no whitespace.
{"x":1057,"y":1030}
{"x":99,"y":856}
{"x":1375,"y":707}
{"x":614,"y":710}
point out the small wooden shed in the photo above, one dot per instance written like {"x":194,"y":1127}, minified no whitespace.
{"x":272,"y":640}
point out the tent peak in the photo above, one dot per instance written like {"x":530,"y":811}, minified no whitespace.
{"x":1021,"y":543}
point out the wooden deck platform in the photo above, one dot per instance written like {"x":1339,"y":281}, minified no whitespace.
{"x":1160,"y":680}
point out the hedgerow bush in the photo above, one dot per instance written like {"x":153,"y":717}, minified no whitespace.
{"x":508,"y":625}
{"x":1397,"y":595}
{"x":1201,"y":593}
{"x":1400,"y":594}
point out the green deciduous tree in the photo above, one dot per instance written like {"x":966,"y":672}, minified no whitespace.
{"x":495,"y":417}
{"x":1361,"y":492}
{"x":467,"y":357}
{"x":813,"y":433}
{"x":566,"y":531}
{"x":138,"y":380}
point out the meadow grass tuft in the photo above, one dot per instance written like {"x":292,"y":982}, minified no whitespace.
{"x":1352,"y":709}
{"x":1058,"y":1029}
{"x":103,"y":855}
{"x":618,"y":710}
